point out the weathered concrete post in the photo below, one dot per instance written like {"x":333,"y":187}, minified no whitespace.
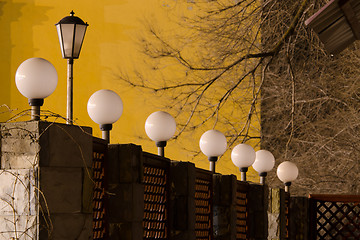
{"x":276,"y":214}
{"x":224,"y":205}
{"x":125,"y":192}
{"x":43,"y":170}
{"x":182,"y":196}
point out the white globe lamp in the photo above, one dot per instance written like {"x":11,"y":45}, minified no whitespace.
{"x":213,"y":144}
{"x":105,"y":108}
{"x":36,"y":79}
{"x":243,"y":156}
{"x":264,"y":163}
{"x":287,"y":172}
{"x":160,"y":126}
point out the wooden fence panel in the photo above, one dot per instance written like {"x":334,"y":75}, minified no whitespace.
{"x":335,"y":216}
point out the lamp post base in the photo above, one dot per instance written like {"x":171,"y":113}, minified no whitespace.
{"x":287,"y":186}
{"x":262,"y":177}
{"x":35,"y":104}
{"x":243,"y":173}
{"x":105,"y":131}
{"x":212,"y":161}
{"x":35,"y":113}
{"x":161,"y":148}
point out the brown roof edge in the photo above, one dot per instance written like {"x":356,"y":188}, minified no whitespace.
{"x":310,"y":19}
{"x":335,"y":198}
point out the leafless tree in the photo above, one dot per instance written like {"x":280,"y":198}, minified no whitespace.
{"x":234,"y":61}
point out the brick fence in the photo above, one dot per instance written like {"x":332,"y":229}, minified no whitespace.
{"x":59,"y":182}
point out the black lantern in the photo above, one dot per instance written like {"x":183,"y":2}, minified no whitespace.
{"x":71,"y":31}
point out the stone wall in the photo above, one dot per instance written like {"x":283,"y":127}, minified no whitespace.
{"x":43,"y":170}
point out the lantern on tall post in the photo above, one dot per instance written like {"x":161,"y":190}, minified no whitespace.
{"x":71,"y":32}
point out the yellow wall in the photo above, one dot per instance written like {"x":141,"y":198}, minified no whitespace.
{"x":27,"y":30}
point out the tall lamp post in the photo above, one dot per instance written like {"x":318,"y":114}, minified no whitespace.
{"x":105,"y":108}
{"x":160,"y":127}
{"x":264,"y":163}
{"x":213,"y":144}
{"x":36,"y":79}
{"x":243,"y":156}
{"x":71,"y":31}
{"x":287,"y":172}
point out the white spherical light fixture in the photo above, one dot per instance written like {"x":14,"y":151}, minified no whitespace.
{"x":105,"y":108}
{"x":264,"y":162}
{"x":36,"y":79}
{"x":213,"y":144}
{"x":287,"y":172}
{"x":160,"y":126}
{"x":243,"y":156}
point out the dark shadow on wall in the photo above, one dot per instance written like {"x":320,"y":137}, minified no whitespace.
{"x":16,"y":21}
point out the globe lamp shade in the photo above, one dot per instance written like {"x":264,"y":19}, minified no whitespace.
{"x":243,"y":155}
{"x":160,"y":126}
{"x":105,"y":107}
{"x":36,"y":78}
{"x":264,"y":161}
{"x":213,"y":143}
{"x":287,"y":172}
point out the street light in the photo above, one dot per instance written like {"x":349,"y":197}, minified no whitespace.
{"x":36,"y":79}
{"x":243,"y":156}
{"x":71,"y":31}
{"x":105,"y":107}
{"x":160,"y":127}
{"x":213,"y":144}
{"x":264,"y":162}
{"x":287,"y":172}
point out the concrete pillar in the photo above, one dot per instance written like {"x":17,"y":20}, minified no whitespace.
{"x":44,"y":168}
{"x":125,"y":191}
{"x":276,"y":214}
{"x":182,"y":195}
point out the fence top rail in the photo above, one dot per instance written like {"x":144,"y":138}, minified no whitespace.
{"x":203,"y":174}
{"x":335,"y":198}
{"x":99,"y":143}
{"x":155,"y":160}
{"x":242,"y":186}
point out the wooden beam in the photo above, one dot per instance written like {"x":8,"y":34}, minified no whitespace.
{"x":350,"y":15}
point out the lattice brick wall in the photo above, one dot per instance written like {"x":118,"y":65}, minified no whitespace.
{"x":99,"y":210}
{"x":203,"y":205}
{"x":155,"y":203}
{"x":241,"y":212}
